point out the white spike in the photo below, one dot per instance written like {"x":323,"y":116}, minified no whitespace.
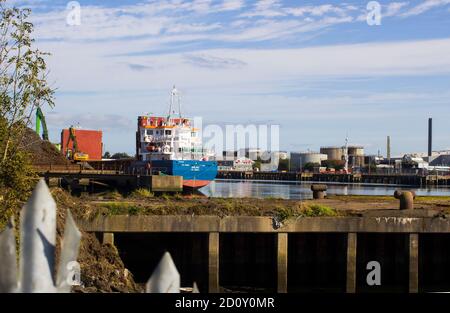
{"x":165,"y":278}
{"x":37,"y":237}
{"x":68,"y":270}
{"x":8,"y":267}
{"x":195,"y":288}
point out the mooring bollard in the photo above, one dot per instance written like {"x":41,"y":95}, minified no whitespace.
{"x":406,"y":199}
{"x":318,"y":191}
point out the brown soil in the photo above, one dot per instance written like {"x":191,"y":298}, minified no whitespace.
{"x":102,"y":270}
{"x":42,"y":152}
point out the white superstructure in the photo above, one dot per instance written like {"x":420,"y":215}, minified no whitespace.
{"x":169,"y":138}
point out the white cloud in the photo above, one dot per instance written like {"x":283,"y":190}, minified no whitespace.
{"x":319,"y":10}
{"x":231,"y":5}
{"x":425,"y":6}
{"x":394,"y":8}
{"x":89,"y":69}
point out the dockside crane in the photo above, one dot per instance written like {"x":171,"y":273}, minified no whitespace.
{"x":40,"y":120}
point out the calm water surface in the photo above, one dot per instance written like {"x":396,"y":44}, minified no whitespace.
{"x":296,"y":190}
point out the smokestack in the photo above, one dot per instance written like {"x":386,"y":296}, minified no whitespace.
{"x":388,"y":148}
{"x":430,"y":137}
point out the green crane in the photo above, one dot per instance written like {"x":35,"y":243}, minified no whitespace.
{"x":40,"y":119}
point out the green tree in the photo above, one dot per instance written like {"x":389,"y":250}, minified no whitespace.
{"x":120,"y":155}
{"x":283,"y":165}
{"x":310,"y":166}
{"x":23,"y":88}
{"x":336,"y":164}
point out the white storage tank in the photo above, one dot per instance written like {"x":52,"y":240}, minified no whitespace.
{"x":300,"y":159}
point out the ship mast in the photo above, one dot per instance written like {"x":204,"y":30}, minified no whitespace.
{"x":174,"y":101}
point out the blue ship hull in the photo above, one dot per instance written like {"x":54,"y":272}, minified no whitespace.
{"x":196,"y":174}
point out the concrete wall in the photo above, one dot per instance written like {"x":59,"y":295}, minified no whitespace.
{"x":166,"y":183}
{"x":308,"y":254}
{"x":141,"y":252}
{"x":188,"y":223}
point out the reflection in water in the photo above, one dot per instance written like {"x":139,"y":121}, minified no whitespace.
{"x":297,"y":190}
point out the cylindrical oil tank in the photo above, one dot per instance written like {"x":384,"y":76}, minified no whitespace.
{"x":356,"y":150}
{"x":356,"y":155}
{"x":333,"y":153}
{"x":300,"y":159}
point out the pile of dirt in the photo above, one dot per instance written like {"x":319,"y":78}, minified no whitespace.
{"x":102,"y":270}
{"x":42,"y":152}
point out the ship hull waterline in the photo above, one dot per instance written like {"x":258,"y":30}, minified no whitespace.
{"x":196,"y":174}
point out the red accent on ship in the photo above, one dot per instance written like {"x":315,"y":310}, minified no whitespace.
{"x":195,"y":184}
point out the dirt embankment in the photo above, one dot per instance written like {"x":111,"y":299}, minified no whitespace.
{"x":102,"y":270}
{"x":42,"y":152}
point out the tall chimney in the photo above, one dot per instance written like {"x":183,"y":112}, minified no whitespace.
{"x":388,"y":148}
{"x":430,"y":137}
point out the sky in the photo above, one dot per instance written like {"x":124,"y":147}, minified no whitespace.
{"x":318,"y":69}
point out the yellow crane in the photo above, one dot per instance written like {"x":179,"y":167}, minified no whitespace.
{"x":74,"y":154}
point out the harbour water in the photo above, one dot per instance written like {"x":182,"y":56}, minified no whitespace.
{"x":300,"y":191}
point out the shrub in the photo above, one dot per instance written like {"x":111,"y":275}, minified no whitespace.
{"x":142,"y":193}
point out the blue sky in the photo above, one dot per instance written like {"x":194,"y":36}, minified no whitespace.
{"x":316,"y":68}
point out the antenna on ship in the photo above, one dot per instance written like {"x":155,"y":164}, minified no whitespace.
{"x":174,"y":100}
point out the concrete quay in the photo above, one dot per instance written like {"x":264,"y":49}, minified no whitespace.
{"x":324,"y":254}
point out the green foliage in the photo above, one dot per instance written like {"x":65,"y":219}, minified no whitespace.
{"x":284,"y":213}
{"x":310,"y":166}
{"x":120,"y":155}
{"x":165,"y":196}
{"x":315,"y":210}
{"x":336,"y":164}
{"x":23,"y":88}
{"x":142,"y":193}
{"x":113,"y":195}
{"x":257,"y":163}
{"x":283,"y":165}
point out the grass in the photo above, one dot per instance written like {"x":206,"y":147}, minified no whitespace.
{"x":119,"y":208}
{"x":113,"y":195}
{"x":142,"y":193}
{"x":316,"y":210}
{"x":385,"y":198}
{"x":304,"y":210}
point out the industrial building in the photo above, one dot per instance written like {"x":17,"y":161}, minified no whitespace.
{"x":300,"y":159}
{"x":333,"y":153}
{"x":355,"y":154}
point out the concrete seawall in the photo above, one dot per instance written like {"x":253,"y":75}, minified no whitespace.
{"x":306,"y":254}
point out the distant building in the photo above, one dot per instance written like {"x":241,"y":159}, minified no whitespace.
{"x":240,"y":164}
{"x":442,"y":160}
{"x":300,"y":159}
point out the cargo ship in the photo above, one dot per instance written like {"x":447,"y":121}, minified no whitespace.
{"x":171,"y":145}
